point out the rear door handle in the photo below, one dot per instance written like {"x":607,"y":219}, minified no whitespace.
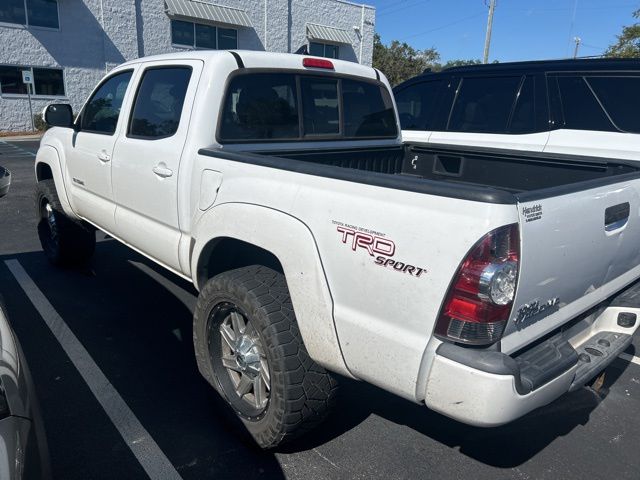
{"x":162,"y":171}
{"x":103,"y":156}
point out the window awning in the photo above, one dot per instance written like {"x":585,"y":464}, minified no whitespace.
{"x":327,"y":34}
{"x":203,"y":12}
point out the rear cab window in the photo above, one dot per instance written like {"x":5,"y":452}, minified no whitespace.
{"x":264,"y":107}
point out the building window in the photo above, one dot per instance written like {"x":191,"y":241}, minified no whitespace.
{"x":35,"y":13}
{"x":323,"y":50}
{"x":198,"y":35}
{"x":48,"y":82}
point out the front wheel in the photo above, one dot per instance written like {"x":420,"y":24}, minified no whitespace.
{"x":64,"y":241}
{"x":249,"y":348}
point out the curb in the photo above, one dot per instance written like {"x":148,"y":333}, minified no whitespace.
{"x":20,"y":138}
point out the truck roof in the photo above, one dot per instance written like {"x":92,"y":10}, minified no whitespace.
{"x":256,"y":59}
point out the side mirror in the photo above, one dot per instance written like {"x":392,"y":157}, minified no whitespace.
{"x":58,"y":115}
{"x":5,"y":181}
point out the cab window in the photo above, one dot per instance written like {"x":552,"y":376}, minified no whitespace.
{"x":157,"y":107}
{"x":102,"y":110}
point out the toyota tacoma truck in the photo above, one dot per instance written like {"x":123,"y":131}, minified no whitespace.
{"x":481,"y":283}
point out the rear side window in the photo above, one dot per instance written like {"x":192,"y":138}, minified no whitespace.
{"x":417,"y":103}
{"x":620,"y":96}
{"x":484,"y":104}
{"x":157,"y":107}
{"x":287,"y":106}
{"x":102,"y":110}
{"x":580,"y":108}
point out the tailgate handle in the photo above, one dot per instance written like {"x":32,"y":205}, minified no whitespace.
{"x":616,"y":217}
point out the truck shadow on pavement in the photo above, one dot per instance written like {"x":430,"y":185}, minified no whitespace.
{"x":135,"y":321}
{"x":507,"y":446}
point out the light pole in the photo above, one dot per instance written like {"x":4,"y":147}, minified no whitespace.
{"x":487,"y":39}
{"x":575,"y":51}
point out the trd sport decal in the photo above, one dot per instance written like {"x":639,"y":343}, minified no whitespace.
{"x":377,"y":246}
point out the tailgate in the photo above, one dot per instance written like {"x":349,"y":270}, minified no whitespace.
{"x":576,"y":250}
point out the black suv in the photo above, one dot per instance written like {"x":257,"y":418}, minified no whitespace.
{"x":584,"y":106}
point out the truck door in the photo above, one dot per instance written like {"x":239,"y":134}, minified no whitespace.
{"x":89,"y":157}
{"x":147,"y":158}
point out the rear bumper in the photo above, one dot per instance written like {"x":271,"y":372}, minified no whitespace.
{"x":489,"y":388}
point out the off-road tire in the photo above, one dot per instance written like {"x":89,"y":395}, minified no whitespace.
{"x":73,"y":242}
{"x":302,"y":392}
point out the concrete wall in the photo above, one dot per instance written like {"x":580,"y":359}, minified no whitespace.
{"x":134,"y":28}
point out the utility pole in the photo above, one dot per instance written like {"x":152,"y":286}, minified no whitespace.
{"x":487,"y":40}
{"x":577,"y":40}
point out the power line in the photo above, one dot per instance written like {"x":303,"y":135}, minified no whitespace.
{"x":404,"y":7}
{"x":481,"y":14}
{"x":390,"y":5}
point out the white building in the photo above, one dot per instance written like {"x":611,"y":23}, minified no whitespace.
{"x":68,"y":45}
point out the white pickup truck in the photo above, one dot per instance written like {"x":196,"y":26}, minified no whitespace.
{"x":481,"y":283}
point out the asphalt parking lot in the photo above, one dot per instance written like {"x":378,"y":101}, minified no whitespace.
{"x":132,"y":320}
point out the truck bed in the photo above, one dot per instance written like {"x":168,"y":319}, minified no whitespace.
{"x":512,"y":171}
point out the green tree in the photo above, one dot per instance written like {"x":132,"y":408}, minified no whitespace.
{"x":628,"y":44}
{"x":400,"y":61}
{"x":461,"y":63}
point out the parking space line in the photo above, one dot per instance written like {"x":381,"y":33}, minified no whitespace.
{"x":630,"y":358}
{"x":142,"y":445}
{"x":14,"y":150}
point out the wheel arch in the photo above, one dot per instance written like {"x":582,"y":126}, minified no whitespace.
{"x":233,"y":235}
{"x":47,"y":167}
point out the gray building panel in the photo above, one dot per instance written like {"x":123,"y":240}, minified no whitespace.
{"x":96,"y":35}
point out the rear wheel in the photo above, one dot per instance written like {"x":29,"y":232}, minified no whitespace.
{"x":64,"y":241}
{"x":250,"y":349}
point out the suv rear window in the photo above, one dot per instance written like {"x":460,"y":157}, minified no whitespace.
{"x":621,"y":99}
{"x":581,"y":109}
{"x":262,"y":107}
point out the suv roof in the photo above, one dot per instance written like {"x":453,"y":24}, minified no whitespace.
{"x":604,"y":64}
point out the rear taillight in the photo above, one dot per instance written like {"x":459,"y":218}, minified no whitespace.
{"x":479,"y":300}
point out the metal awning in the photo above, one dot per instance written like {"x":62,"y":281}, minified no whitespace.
{"x":327,"y":34}
{"x":203,"y":12}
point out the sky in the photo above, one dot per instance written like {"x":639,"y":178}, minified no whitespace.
{"x":522,"y":30}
